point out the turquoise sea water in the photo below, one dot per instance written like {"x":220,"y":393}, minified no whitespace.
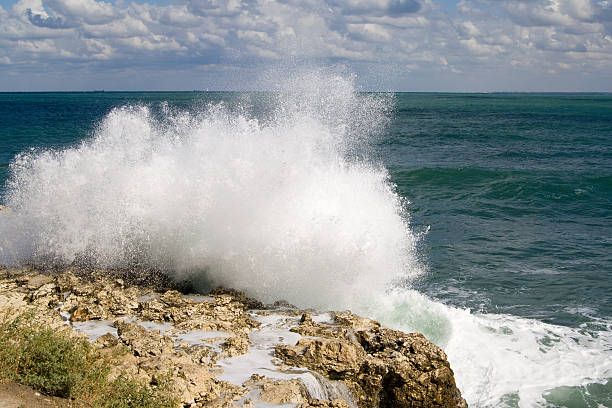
{"x":509,"y":196}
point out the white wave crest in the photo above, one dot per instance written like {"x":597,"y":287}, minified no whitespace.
{"x":280,"y":207}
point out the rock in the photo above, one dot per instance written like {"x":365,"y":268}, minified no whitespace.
{"x":107,"y":340}
{"x":418,"y":373}
{"x":355,"y":322}
{"x":249,"y":303}
{"x":192,"y":383}
{"x":278,"y":391}
{"x":337,"y":359}
{"x":143,"y":342}
{"x":36,"y":281}
{"x":355,"y":361}
{"x":337,"y":403}
{"x":383,"y":367}
{"x":307,"y":327}
{"x":234,"y":346}
{"x":81,"y":314}
{"x":226,"y":314}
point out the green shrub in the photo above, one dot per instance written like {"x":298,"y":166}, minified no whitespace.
{"x":51,"y":361}
{"x":45,"y":359}
{"x":125,"y":392}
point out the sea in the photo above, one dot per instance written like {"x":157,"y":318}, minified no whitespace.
{"x":482,"y":220}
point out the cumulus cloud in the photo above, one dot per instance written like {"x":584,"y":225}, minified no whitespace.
{"x":477,"y":39}
{"x":87,"y":11}
{"x":41,"y":21}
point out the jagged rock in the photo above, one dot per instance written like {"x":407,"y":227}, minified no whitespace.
{"x":418,"y":372}
{"x":199,"y":353}
{"x":307,"y":327}
{"x":357,"y":323}
{"x":226,"y":314}
{"x":234,"y":346}
{"x":383,"y":368}
{"x":107,"y":340}
{"x":249,"y":303}
{"x":141,"y":341}
{"x":337,"y":403}
{"x":192,"y":383}
{"x":379,"y":367}
{"x":278,"y":391}
{"x":36,"y":281}
{"x":337,"y":359}
{"x":248,"y":403}
{"x":281,"y":304}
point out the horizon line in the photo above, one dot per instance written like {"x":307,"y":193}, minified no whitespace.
{"x":272,"y":91}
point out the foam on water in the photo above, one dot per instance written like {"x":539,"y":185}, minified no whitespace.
{"x":287,"y":206}
{"x":501,"y":360}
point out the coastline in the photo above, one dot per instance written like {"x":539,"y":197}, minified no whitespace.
{"x":224,"y":349}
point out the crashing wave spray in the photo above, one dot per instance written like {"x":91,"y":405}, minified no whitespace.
{"x":282,"y":206}
{"x":287,"y":205}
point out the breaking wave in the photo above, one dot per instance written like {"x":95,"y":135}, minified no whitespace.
{"x":287,"y":205}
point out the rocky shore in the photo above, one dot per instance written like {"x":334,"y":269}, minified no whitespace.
{"x":224,"y":349}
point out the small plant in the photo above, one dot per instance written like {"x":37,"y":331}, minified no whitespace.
{"x":57,"y":364}
{"x":45,"y":359}
{"x":125,"y":392}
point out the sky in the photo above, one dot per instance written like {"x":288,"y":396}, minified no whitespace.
{"x":389,"y":45}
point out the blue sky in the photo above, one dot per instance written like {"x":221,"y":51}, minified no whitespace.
{"x":406,"y":45}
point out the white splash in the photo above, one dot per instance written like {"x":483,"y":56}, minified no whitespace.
{"x":284,"y":206}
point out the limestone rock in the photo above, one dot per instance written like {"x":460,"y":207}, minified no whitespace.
{"x":141,"y":341}
{"x":337,"y":359}
{"x":247,"y":302}
{"x":234,"y":346}
{"x":226,"y":314}
{"x":355,"y":361}
{"x":357,"y":323}
{"x":337,"y":403}
{"x":278,"y":391}
{"x":307,"y":327}
{"x":383,"y":367}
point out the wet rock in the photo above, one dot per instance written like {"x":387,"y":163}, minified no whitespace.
{"x":355,"y":361}
{"x":337,"y":403}
{"x":192,"y":383}
{"x":234,"y":346}
{"x":357,"y":323}
{"x":225,"y":314}
{"x":337,"y":359}
{"x":278,"y":391}
{"x":143,"y":342}
{"x":382,"y":367}
{"x":249,"y":303}
{"x":307,"y":327}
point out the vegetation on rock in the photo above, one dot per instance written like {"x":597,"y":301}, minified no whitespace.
{"x":59,"y":364}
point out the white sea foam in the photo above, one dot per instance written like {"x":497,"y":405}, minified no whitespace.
{"x":501,"y":360}
{"x":287,"y":206}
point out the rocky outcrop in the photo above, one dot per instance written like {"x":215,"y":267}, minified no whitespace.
{"x":381,"y":367}
{"x":207,"y":347}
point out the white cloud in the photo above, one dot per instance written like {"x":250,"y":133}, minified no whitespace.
{"x":370,"y":32}
{"x":89,"y":11}
{"x":481,"y":38}
{"x":124,"y":28}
